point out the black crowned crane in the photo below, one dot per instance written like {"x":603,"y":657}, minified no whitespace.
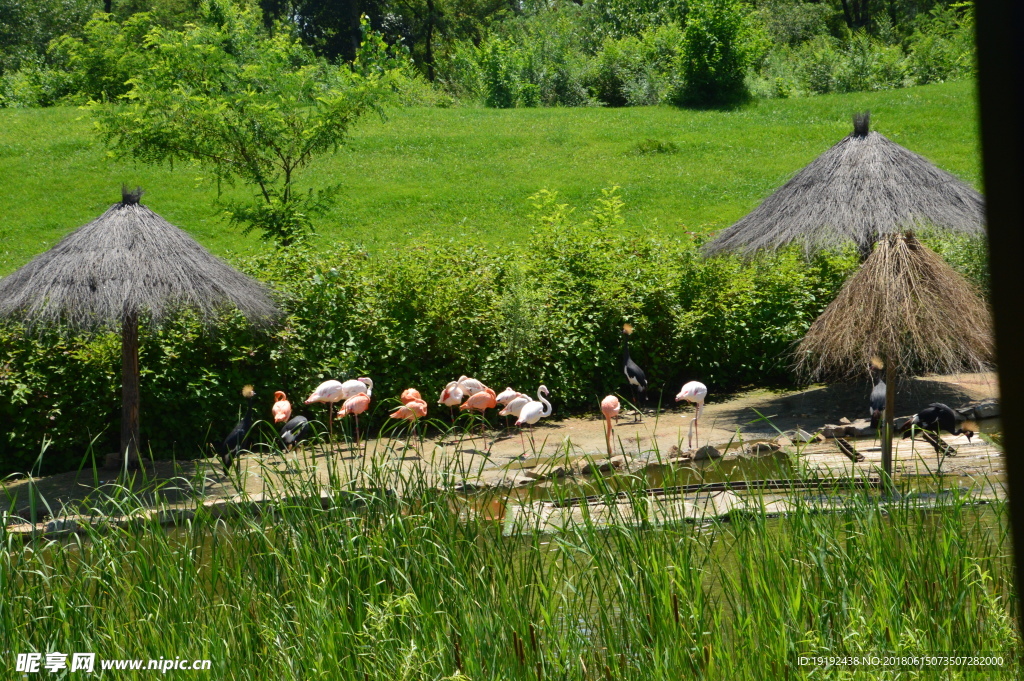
{"x":634,"y":374}
{"x":295,"y":431}
{"x":241,"y":436}
{"x":935,"y":417}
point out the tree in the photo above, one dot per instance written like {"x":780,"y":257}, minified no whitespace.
{"x":250,"y":106}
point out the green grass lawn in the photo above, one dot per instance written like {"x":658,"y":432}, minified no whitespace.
{"x":467,"y":172}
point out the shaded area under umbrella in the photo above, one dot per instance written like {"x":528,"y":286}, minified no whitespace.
{"x":907,"y":306}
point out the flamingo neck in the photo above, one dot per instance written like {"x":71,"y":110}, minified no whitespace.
{"x":547,"y":405}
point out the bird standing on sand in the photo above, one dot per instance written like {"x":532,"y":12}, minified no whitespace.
{"x":877,"y":392}
{"x":450,"y":397}
{"x":240,"y":437}
{"x":610,"y":409}
{"x":507,"y":396}
{"x":355,"y":405}
{"x":282,"y":408}
{"x":694,"y":391}
{"x":634,"y":374}
{"x":936,"y":417}
{"x":329,"y":392}
{"x":534,"y":411}
{"x":480,"y":401}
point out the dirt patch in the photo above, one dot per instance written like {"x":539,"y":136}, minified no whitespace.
{"x":751,"y":415}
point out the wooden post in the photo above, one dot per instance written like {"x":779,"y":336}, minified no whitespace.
{"x":130,"y":389}
{"x":887,"y":426}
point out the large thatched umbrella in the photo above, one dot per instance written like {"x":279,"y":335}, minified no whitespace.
{"x":907,"y":306}
{"x":863,"y":187}
{"x":128,"y":264}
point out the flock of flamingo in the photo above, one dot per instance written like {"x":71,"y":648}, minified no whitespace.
{"x":468,"y":394}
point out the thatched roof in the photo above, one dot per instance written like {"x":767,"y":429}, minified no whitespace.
{"x":906,"y":305}
{"x":863,"y":187}
{"x":128,"y":260}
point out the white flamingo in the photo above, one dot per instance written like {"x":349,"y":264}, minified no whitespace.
{"x":353,"y":387}
{"x":470,"y":386}
{"x":451,"y":397}
{"x":534,"y":411}
{"x":329,"y":392}
{"x":694,"y":391}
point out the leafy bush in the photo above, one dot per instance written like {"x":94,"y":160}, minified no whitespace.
{"x":718,"y":47}
{"x":942,"y":46}
{"x":419,"y":316}
{"x":638,"y":71}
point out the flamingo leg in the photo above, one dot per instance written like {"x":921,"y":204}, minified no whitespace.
{"x":608,"y":436}
{"x":690,"y":434}
{"x":357,"y":431}
{"x":330,"y":421}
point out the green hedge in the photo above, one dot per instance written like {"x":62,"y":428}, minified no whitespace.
{"x":546,"y":311}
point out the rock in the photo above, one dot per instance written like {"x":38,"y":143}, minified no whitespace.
{"x":619,"y":461}
{"x":595,"y":467}
{"x":522,"y":479}
{"x":845,"y":421}
{"x":860,"y":428}
{"x":112,"y":461}
{"x":763,"y":448}
{"x":830,"y":431}
{"x":63,"y":525}
{"x":986,"y":409}
{"x":467,"y":487}
{"x":802,"y":436}
{"x":967,"y":413}
{"x":706,"y":452}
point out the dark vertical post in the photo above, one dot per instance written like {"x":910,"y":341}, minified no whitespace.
{"x":1001,"y":90}
{"x":887,"y":423}
{"x":130,"y":388}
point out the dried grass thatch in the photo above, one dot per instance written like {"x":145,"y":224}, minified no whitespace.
{"x":129,"y":261}
{"x":909,"y":307}
{"x":862,"y":188}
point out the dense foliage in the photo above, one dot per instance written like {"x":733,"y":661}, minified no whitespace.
{"x":548,"y":311}
{"x":537,"y":52}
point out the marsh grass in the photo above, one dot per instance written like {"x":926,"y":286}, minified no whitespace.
{"x":351,"y":580}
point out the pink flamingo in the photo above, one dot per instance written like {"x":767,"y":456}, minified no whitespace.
{"x":610,"y":408}
{"x":410,"y":395}
{"x":451,"y":396}
{"x":694,"y":391}
{"x":282,"y":408}
{"x":411,"y":410}
{"x":355,"y":405}
{"x":481,"y":402}
{"x":329,"y":392}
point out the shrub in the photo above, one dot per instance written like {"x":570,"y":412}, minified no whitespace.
{"x":717,"y":49}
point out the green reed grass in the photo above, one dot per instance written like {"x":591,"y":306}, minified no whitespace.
{"x":424,"y":585}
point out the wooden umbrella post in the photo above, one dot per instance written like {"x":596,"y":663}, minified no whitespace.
{"x":887,"y":429}
{"x":130,"y":388}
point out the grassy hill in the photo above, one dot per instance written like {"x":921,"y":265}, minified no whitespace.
{"x":467,"y":172}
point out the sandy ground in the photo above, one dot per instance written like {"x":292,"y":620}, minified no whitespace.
{"x":750,"y":415}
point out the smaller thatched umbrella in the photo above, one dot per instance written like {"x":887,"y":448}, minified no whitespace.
{"x":128,"y":264}
{"x":864,"y":187}
{"x":907,"y":306}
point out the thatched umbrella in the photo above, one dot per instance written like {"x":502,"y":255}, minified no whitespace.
{"x":125,"y":265}
{"x":862,"y":188}
{"x":907,"y":306}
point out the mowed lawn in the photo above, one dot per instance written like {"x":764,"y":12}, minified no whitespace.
{"x":467,"y":172}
